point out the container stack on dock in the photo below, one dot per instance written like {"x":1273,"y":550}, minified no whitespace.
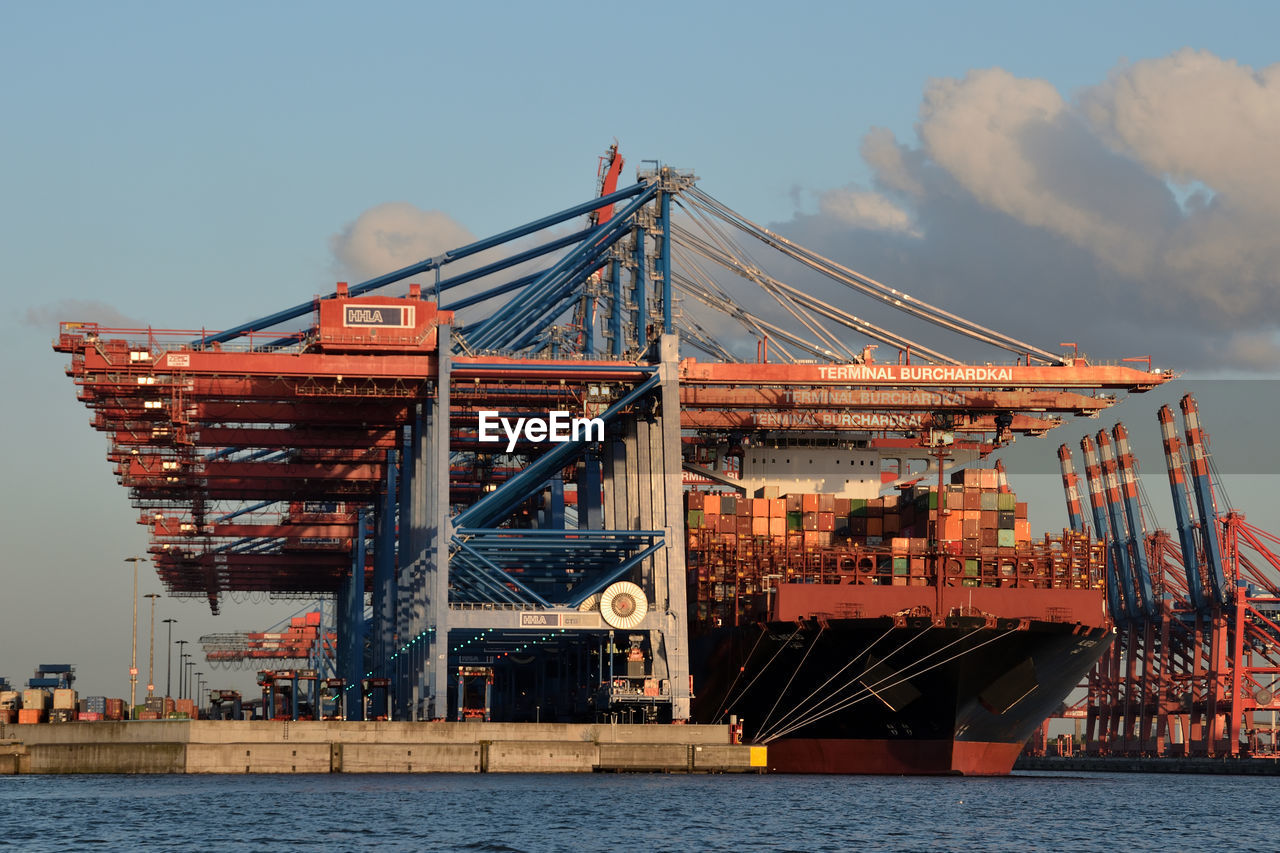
{"x":35,"y":705}
{"x":10,"y":704}
{"x":742,"y":547}
{"x":65,"y":706}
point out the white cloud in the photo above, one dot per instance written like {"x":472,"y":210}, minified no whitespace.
{"x":1012,"y":143}
{"x":863,"y":209}
{"x":1053,"y":218}
{"x":392,"y":236}
{"x":81,"y":310}
{"x":1195,"y":117}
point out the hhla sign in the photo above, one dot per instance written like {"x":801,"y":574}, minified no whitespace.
{"x":558,"y":426}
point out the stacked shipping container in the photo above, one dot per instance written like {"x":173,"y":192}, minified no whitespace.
{"x":740,"y":548}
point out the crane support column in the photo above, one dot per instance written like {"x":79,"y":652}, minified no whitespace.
{"x":384,"y":567}
{"x":351,"y":621}
{"x":590,"y":508}
{"x":665,"y":262}
{"x":641,"y":292}
{"x":436,"y":641}
{"x":395,"y":663}
{"x":412,"y":611}
{"x":617,"y":345}
{"x":671,"y":586}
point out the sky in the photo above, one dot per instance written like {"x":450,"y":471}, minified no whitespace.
{"x":1094,"y":172}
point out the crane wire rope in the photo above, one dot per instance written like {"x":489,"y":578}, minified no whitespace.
{"x":812,"y":643}
{"x":827,"y":310}
{"x":870,"y":690}
{"x":869,"y":286}
{"x":761,"y":329}
{"x":817,"y":711}
{"x":741,"y":669}
{"x":751,"y":270}
{"x":765,"y":668}
{"x":852,"y":660}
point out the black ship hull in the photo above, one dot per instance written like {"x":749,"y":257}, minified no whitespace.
{"x":886,"y":695}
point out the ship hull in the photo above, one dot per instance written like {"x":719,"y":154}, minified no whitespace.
{"x":895,"y":696}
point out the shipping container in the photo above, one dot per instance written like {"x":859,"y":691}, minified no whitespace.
{"x":36,"y":698}
{"x":10,"y":700}
{"x":28,"y":716}
{"x":65,"y":699}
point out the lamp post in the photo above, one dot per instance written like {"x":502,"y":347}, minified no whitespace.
{"x":133,"y":657}
{"x":199,"y":691}
{"x":151,"y":660}
{"x":191,"y":684}
{"x":168,"y":667}
{"x":182,"y":663}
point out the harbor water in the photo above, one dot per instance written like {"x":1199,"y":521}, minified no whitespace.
{"x":526,"y":812}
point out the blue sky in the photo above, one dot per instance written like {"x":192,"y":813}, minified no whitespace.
{"x":189,"y":167}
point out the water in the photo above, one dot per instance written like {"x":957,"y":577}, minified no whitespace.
{"x":1080,"y":812}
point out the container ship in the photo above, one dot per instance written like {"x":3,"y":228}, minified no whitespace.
{"x":922,"y":632}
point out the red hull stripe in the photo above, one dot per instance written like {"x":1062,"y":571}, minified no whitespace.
{"x":892,"y":757}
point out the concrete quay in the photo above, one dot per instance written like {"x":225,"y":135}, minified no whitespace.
{"x":214,"y":746}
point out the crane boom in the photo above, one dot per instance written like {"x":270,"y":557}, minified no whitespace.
{"x":1133,"y":513}
{"x":1118,"y":595}
{"x":1196,"y":443}
{"x":1183,"y":509}
{"x":1071,"y":485}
